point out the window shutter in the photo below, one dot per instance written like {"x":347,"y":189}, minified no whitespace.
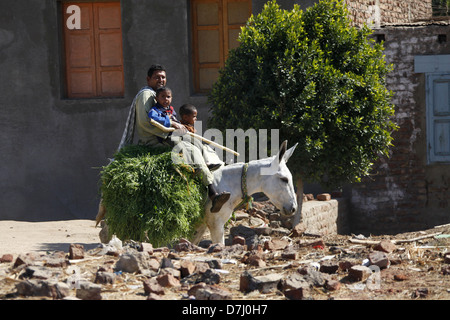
{"x":215,"y":28}
{"x":108,"y":33}
{"x":94,"y":60}
{"x":438,"y":117}
{"x":80,"y":54}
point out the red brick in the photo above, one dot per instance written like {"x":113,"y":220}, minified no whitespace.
{"x":385,"y":246}
{"x":324,"y":197}
{"x":6,"y":258}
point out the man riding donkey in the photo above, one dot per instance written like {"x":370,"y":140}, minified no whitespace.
{"x":154,"y":135}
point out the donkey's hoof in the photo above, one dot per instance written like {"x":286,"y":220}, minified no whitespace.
{"x":219,"y":200}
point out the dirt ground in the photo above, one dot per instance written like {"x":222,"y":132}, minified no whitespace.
{"x":418,"y":268}
{"x":22,"y":237}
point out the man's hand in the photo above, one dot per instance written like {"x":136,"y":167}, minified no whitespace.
{"x":179,"y":129}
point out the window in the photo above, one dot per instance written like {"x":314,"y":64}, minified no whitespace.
{"x":215,"y":28}
{"x":438,"y":117}
{"x":93,"y":53}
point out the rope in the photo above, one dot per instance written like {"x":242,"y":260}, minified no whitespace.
{"x":247,"y":200}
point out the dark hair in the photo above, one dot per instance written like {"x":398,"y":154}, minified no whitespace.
{"x":162,"y":89}
{"x":187,"y":109}
{"x":155,"y":67}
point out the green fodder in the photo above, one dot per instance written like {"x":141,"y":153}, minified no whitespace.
{"x":150,"y":198}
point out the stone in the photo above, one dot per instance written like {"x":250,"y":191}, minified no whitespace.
{"x":309,"y":196}
{"x":187,"y":268}
{"x":293,"y":282}
{"x":168,"y":280}
{"x":153,"y":296}
{"x":103,"y":277}
{"x":313,"y":276}
{"x":298,"y":230}
{"x":25,"y":259}
{"x":447,"y":257}
{"x":332,"y":285}
{"x":255,"y":258}
{"x":6,"y":258}
{"x":263,"y":284}
{"x":56,"y":262}
{"x":400,"y":277}
{"x":289,"y":254}
{"x":210,"y":277}
{"x":329,"y":266}
{"x":239,"y":240}
{"x":37,"y":272}
{"x":250,"y":236}
{"x":174,"y":272}
{"x":151,"y":286}
{"x":203,"y":291}
{"x":296,"y":294}
{"x":324,"y":197}
{"x":166,"y":263}
{"x":379,"y":258}
{"x":214,"y":263}
{"x":45,"y":288}
{"x":359,"y":273}
{"x":153,"y":264}
{"x":217,"y":247}
{"x":345,"y":265}
{"x":76,"y":251}
{"x":146,"y":247}
{"x":275,"y":244}
{"x":385,"y":246}
{"x":420,"y":293}
{"x":445,"y":270}
{"x":132,"y":262}
{"x":88,"y":291}
{"x":263,"y":231}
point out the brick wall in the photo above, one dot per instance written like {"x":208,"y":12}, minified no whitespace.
{"x":380,"y":12}
{"x":405,"y":193}
{"x":326,"y":217}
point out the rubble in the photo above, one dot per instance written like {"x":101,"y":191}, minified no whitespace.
{"x":257,"y":262}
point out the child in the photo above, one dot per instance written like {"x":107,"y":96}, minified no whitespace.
{"x":162,"y":111}
{"x":188,"y":114}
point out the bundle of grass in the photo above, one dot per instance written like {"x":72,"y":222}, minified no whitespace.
{"x":150,"y":198}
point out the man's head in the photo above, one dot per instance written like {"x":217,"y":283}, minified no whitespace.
{"x":156,"y":77}
{"x":188,"y":114}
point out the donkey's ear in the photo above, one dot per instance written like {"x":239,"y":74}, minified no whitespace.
{"x":289,"y":152}
{"x":282,"y":151}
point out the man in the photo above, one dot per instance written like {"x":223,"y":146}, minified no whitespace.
{"x":153,"y":136}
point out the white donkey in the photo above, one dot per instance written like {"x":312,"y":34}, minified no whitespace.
{"x":270,"y":176}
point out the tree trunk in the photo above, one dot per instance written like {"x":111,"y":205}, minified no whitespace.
{"x":298,"y":214}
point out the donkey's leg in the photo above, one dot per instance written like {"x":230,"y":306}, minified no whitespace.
{"x":217,"y":232}
{"x":199,"y":233}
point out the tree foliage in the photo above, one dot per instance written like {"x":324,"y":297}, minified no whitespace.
{"x":317,"y":79}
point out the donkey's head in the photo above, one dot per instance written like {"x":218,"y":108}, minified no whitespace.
{"x":277,"y":181}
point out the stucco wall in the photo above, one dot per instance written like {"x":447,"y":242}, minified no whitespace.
{"x":52,"y":147}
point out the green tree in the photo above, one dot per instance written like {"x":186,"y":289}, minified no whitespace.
{"x":317,"y":79}
{"x":441,"y":7}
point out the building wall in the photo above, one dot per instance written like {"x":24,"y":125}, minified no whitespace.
{"x":404,"y":192}
{"x":52,"y":147}
{"x":381,"y":12}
